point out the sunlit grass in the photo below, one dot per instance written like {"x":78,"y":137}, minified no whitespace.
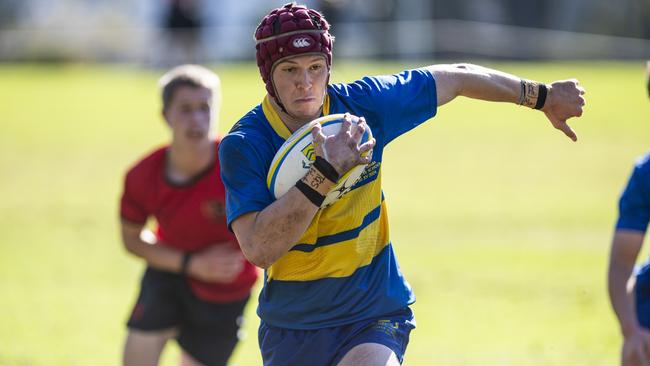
{"x":501,"y":223}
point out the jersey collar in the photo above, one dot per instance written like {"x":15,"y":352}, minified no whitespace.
{"x":274,"y":119}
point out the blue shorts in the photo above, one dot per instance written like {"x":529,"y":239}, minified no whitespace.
{"x":642,"y":295}
{"x":327,"y":346}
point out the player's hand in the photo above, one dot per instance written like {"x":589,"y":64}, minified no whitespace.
{"x":343,"y":150}
{"x":218,"y":263}
{"x":636,"y":349}
{"x":563,"y":101}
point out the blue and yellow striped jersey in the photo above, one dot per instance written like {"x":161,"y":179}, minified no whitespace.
{"x":343,"y":268}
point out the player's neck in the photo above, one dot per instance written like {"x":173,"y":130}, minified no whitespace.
{"x":186,"y":161}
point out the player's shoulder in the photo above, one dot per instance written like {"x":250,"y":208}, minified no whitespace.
{"x":248,"y":125}
{"x":251,"y":130}
{"x":377,"y":83}
{"x":641,"y":172}
{"x":366,"y":84}
{"x":149,"y":162}
{"x":642,"y":163}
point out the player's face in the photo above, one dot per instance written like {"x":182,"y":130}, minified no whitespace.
{"x":189,"y":113}
{"x":300,"y":84}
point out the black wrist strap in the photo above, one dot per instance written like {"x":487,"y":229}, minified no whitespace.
{"x":311,"y":194}
{"x":186,"y":262}
{"x":541,"y":98}
{"x":327,"y":169}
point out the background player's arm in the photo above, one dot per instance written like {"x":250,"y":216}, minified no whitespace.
{"x":157,"y":256}
{"x":625,"y":249}
{"x":564,"y":99}
{"x":217,"y":263}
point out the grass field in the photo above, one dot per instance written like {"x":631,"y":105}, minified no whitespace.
{"x":501,"y":224}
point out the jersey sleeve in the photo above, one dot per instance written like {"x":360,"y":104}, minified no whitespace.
{"x":244,"y":177}
{"x":132,"y":203}
{"x":634,"y":204}
{"x":400,"y":102}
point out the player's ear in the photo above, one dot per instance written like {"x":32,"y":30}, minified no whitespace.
{"x":163,"y":114}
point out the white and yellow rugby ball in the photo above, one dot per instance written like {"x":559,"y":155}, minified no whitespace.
{"x":292,"y":161}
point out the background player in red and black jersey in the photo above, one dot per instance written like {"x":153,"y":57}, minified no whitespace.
{"x":197,"y":281}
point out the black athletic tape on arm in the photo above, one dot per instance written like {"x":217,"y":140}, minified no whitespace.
{"x":327,"y":169}
{"x":541,"y":98}
{"x":312,"y":195}
{"x":185,"y":263}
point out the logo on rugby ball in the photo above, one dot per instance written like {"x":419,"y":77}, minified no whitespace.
{"x":309,"y":152}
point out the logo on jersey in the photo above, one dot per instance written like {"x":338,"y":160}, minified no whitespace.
{"x":385,"y":326}
{"x":301,"y":42}
{"x":213,"y":209}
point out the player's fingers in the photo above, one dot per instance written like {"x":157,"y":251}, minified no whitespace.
{"x":642,"y":358}
{"x":363,"y":160}
{"x":318,"y":138}
{"x":317,"y":132}
{"x":368,"y":145}
{"x":227,"y":267}
{"x":358,"y":129}
{"x":366,"y":148}
{"x":564,"y":127}
{"x":223,"y":249}
{"x":630,"y":360}
{"x":582,"y":100}
{"x":561,"y":125}
{"x":225,"y":271}
{"x":231,"y":268}
{"x":644,"y":349}
{"x":230,"y":258}
{"x":347,"y":124}
{"x":576,"y":110}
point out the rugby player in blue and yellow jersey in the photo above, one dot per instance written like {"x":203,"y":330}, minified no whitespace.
{"x":333,"y":292}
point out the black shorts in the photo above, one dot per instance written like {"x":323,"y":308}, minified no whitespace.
{"x":207,"y":331}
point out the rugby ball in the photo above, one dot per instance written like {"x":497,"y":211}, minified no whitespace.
{"x":294,"y":158}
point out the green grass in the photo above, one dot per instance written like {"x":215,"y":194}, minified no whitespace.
{"x":501,"y":223}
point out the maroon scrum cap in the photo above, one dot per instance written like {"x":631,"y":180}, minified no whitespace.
{"x":287,"y":31}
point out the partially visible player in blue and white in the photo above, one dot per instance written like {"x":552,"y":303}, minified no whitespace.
{"x":333,"y":291}
{"x":629,"y":292}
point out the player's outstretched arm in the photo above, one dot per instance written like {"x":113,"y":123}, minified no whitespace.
{"x":562,"y":100}
{"x":636,"y":340}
